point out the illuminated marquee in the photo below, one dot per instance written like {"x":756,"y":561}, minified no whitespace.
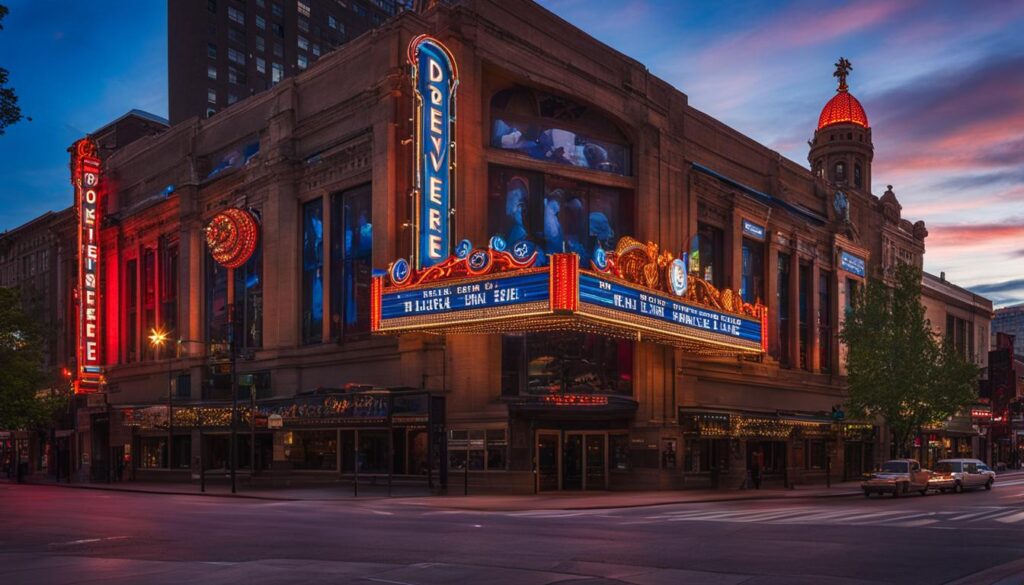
{"x":86,"y":179}
{"x":499,"y":292}
{"x":435,"y":78}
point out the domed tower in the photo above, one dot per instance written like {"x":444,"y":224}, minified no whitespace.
{"x":841,"y":150}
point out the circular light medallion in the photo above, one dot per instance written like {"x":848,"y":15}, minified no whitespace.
{"x":497,"y":243}
{"x":523,"y":250}
{"x":600,"y":258}
{"x":463,"y":248}
{"x":232,"y":236}
{"x":400,"y":271}
{"x":677,"y":277}
{"x":479,"y":260}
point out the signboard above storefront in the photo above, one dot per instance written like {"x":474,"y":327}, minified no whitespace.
{"x":852,"y":264}
{"x":753,"y":230}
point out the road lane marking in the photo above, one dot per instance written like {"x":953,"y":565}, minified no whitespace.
{"x":1011,"y":519}
{"x":86,"y":541}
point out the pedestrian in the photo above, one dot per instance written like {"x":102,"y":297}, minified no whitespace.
{"x":756,"y":463}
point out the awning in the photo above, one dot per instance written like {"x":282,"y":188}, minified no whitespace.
{"x":495,"y":291}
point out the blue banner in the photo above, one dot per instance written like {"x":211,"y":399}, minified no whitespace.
{"x":498,"y":292}
{"x":753,"y":230}
{"x":852,"y":264}
{"x":435,"y":82}
{"x":664,"y":309}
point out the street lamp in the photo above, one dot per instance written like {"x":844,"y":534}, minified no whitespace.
{"x":157,"y":339}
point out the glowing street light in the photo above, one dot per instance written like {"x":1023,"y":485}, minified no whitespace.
{"x":157,"y":337}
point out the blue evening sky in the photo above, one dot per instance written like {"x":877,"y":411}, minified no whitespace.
{"x":942,"y":84}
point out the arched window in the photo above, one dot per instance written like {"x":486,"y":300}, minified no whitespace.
{"x":857,"y":179}
{"x":840,"y":172}
{"x":557,"y":130}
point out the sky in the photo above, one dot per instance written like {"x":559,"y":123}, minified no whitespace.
{"x":942,"y":84}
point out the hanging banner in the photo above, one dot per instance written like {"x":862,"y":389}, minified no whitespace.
{"x":435,"y":78}
{"x":85,"y":175}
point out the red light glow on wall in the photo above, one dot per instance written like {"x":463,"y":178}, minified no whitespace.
{"x":85,"y":175}
{"x":565,"y":282}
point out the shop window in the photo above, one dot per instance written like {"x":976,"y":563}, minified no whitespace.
{"x":131,"y":288}
{"x":216,"y":302}
{"x":312,"y":271}
{"x":618,"y":452}
{"x":152,"y":453}
{"x":181,"y":452}
{"x":825,"y":320}
{"x":567,"y":362}
{"x":816,"y":457}
{"x":351,"y":261}
{"x":752,"y":282}
{"x":313,"y":450}
{"x":782,"y":310}
{"x":557,"y":130}
{"x":249,"y":298}
{"x":558,"y":214}
{"x":183,"y":387}
{"x":804,"y":303}
{"x":705,"y":455}
{"x":480,"y":449}
{"x":710,"y":251}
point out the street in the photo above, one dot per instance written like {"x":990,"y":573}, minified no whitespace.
{"x":60,"y":535}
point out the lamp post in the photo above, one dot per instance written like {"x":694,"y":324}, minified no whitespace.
{"x":157,"y":339}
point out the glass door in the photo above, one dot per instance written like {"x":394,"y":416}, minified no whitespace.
{"x":547,"y":461}
{"x":572,"y":462}
{"x":596,"y":467}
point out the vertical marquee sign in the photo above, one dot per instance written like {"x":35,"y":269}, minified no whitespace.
{"x":85,"y":175}
{"x":435,"y":78}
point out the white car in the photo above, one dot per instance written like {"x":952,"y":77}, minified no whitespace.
{"x":897,"y":477}
{"x":956,"y":475}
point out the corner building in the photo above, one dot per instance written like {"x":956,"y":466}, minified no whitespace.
{"x":560,"y":142}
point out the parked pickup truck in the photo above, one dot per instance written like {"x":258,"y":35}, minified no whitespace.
{"x":897,"y":477}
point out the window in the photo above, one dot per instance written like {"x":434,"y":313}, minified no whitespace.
{"x":825,"y":320}
{"x":556,"y":130}
{"x":211,"y":72}
{"x":183,"y":387}
{"x":210,"y":112}
{"x":278,"y":50}
{"x":480,"y":449}
{"x":211,"y":96}
{"x":960,"y":333}
{"x":232,"y":98}
{"x":566,"y":363}
{"x":312,"y":271}
{"x":261,"y":3}
{"x":351,"y":262}
{"x":249,"y":300}
{"x":236,"y":56}
{"x":752,"y":282}
{"x":211,"y":5}
{"x":261,"y":23}
{"x":278,"y":30}
{"x":840,"y":174}
{"x":705,"y":455}
{"x":852,"y":290}
{"x":276,"y":73}
{"x":216,"y":293}
{"x":211,"y":50}
{"x":131,"y":288}
{"x":276,"y":9}
{"x":303,"y":25}
{"x":782,"y":310}
{"x":303,"y":8}
{"x":302,"y":62}
{"x":237,"y":77}
{"x":152,"y":452}
{"x":332,"y":22}
{"x":261,"y":44}
{"x":312,"y":449}
{"x":857,"y":181}
{"x":261,"y":65}
{"x":236,"y":36}
{"x":235,"y":15}
{"x":816,"y":458}
{"x":169,"y":275}
{"x":148,"y":301}
{"x":303,"y":43}
{"x":804,"y":302}
{"x":557,"y":214}
{"x":316,"y":50}
{"x":710,"y":250}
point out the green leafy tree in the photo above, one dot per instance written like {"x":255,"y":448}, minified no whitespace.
{"x":897,"y":369}
{"x":10,"y":113}
{"x":21,"y":363}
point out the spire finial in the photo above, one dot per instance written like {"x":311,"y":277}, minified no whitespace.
{"x":843,"y":68}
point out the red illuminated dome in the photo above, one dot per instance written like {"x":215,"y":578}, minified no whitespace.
{"x":843,"y":108}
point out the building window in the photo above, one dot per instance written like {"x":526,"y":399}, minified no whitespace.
{"x":816,"y":458}
{"x":804,"y":303}
{"x":752,"y":282}
{"x":480,"y":449}
{"x":169,"y":288}
{"x":278,"y":50}
{"x":261,"y":44}
{"x":312,"y":449}
{"x":276,"y":9}
{"x":211,"y":72}
{"x":152,"y":452}
{"x":261,"y":23}
{"x":782,"y":310}
{"x":566,"y":363}
{"x":216,"y":317}
{"x":312,"y":271}
{"x":857,"y":180}
{"x":553,"y":129}
{"x":825,"y":320}
{"x":131,"y":288}
{"x":557,"y":214}
{"x":148,"y":301}
{"x":236,"y":36}
{"x":303,"y":25}
{"x":351,"y":261}
{"x":840,"y":172}
{"x":211,"y":96}
{"x":303,"y":8}
{"x":852,"y":289}
{"x":211,"y":50}
{"x":261,"y":65}
{"x":302,"y":61}
{"x":316,"y":50}
{"x":276,"y":72}
{"x":211,"y":5}
{"x":235,"y":15}
{"x":235,"y":76}
{"x":236,"y":56}
{"x":232,"y":98}
{"x":710,"y":251}
{"x":303,"y":43}
{"x":332,"y":22}
{"x":210,"y":112}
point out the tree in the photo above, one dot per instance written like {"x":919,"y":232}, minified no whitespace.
{"x":10,"y":113}
{"x":897,"y":369}
{"x":21,"y":364}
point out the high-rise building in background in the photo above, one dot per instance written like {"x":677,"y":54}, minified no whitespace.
{"x":1010,"y":320}
{"x":221,"y":51}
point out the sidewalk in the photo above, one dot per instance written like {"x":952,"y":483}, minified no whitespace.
{"x":414,"y":495}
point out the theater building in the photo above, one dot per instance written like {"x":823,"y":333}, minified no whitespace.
{"x":502,"y":246}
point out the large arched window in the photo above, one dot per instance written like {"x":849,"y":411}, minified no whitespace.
{"x":554,"y":129}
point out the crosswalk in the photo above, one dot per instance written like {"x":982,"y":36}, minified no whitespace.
{"x":974,"y":517}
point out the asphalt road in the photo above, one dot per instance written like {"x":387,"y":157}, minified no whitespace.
{"x":61,"y":535}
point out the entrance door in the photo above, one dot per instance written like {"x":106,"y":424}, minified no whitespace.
{"x":547,"y":461}
{"x":572,"y":462}
{"x":596,"y":469}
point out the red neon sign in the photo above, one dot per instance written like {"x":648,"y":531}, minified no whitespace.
{"x":85,"y":175}
{"x":575,"y":400}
